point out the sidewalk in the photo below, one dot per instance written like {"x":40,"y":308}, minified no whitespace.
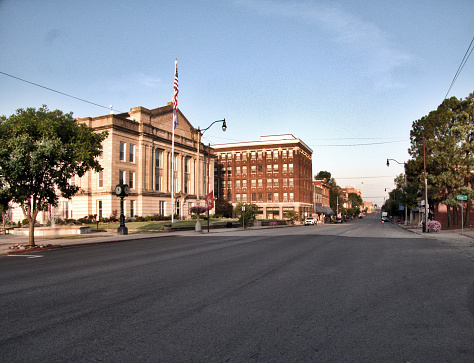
{"x":460,"y":240}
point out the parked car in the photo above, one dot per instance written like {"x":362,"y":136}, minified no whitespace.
{"x":310,"y":220}
{"x":338,"y":220}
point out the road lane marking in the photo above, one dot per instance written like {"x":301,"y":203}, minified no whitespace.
{"x":27,"y":256}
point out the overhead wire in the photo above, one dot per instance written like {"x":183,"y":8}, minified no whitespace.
{"x":62,"y":93}
{"x":461,"y":66}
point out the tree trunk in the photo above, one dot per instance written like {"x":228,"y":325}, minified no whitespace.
{"x":468,"y":214}
{"x":450,"y":217}
{"x":31,"y":231}
{"x":455,"y":215}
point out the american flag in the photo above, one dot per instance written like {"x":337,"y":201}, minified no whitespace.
{"x":175,"y":96}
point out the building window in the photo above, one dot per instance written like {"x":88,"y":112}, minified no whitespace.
{"x":260,"y":168}
{"x":291,"y":182}
{"x":284,"y":153}
{"x":285,"y":197}
{"x":237,"y":184}
{"x":292,"y":197}
{"x":244,"y":183}
{"x":253,"y":155}
{"x":253,"y":169}
{"x":131,"y":179}
{"x":275,"y":197}
{"x":237,"y":170}
{"x":132,"y":153}
{"x":187,"y":174}
{"x":244,"y":155}
{"x":260,"y":183}
{"x":238,"y":198}
{"x":290,"y":168}
{"x":161,"y":208}
{"x":285,"y":168}
{"x":254,"y":197}
{"x":253,"y":183}
{"x":229,"y":156}
{"x":244,"y":169}
{"x":237,"y":156}
{"x":229,"y":184}
{"x":259,"y":197}
{"x":121,"y":177}
{"x":285,"y":182}
{"x":132,"y":210}
{"x":269,"y":154}
{"x":290,"y":153}
{"x":99,"y":209}
{"x":259,"y":154}
{"x":158,"y":169}
{"x":275,"y":154}
{"x":269,"y":183}
{"x":275,"y":183}
{"x":100,"y":179}
{"x":122,"y":151}
{"x":275,"y":168}
{"x":269,"y":168}
{"x":269,"y":197}
{"x":244,"y":198}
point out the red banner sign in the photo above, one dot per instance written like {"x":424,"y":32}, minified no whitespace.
{"x":210,"y":200}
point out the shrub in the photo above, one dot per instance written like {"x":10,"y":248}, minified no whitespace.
{"x":433,"y":226}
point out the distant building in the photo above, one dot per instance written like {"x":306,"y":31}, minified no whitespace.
{"x":345,"y":192}
{"x":274,"y":173}
{"x":321,"y":200}
{"x":137,"y":152}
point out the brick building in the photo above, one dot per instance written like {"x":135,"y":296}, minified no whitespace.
{"x":274,"y":173}
{"x":321,"y":200}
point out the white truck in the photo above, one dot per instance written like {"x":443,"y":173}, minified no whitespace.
{"x":385,"y":216}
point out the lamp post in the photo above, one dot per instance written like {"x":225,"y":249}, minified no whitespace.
{"x":200,"y":133}
{"x":405,"y":168}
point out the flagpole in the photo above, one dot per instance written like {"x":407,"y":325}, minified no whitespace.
{"x":174,"y":125}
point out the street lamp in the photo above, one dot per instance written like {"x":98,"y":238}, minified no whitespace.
{"x":405,"y":168}
{"x":200,"y":132}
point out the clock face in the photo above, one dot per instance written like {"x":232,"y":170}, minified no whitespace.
{"x":126,"y":190}
{"x":118,"y":190}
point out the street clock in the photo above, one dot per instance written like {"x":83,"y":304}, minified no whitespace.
{"x":122,"y":190}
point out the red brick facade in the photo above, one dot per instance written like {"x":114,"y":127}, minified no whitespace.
{"x":274,"y":173}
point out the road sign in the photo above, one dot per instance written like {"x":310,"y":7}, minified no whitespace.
{"x":462,"y":197}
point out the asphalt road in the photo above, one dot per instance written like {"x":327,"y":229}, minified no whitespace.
{"x":358,"y":292}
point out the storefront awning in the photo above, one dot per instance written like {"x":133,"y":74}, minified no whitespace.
{"x":324,"y":210}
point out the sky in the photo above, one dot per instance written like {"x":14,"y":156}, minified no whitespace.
{"x":348,"y":78}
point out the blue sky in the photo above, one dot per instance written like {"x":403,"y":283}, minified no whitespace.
{"x":337,"y":74}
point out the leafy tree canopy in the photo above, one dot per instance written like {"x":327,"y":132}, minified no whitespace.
{"x":323,"y":175}
{"x":40,"y":150}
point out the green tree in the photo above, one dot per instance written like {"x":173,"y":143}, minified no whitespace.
{"x":5,"y":199}
{"x":323,"y":175}
{"x":292,"y":215}
{"x":224,"y":208}
{"x":40,"y":150}
{"x":447,"y":134}
{"x":248,"y":215}
{"x":336,"y":199}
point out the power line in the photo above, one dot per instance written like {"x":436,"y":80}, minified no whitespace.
{"x":61,"y":93}
{"x":461,"y":66}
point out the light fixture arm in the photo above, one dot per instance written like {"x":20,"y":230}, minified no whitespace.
{"x":224,"y":126}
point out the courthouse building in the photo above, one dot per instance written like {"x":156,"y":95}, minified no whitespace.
{"x":137,"y":152}
{"x":274,"y":173}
